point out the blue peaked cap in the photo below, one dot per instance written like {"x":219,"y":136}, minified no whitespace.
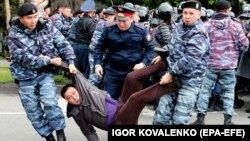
{"x":87,"y":6}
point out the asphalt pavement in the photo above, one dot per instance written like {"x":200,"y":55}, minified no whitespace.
{"x":14,"y":125}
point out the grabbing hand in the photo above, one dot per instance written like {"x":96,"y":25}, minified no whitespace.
{"x":72,"y":69}
{"x":56,"y":61}
{"x":166,"y":78}
{"x":99,"y":71}
{"x":156,"y":60}
{"x":138,"y":66}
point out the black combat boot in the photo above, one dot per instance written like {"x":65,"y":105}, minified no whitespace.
{"x":228,"y":120}
{"x":200,"y":120}
{"x":60,"y":135}
{"x":50,"y":137}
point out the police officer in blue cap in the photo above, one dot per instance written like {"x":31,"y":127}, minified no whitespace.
{"x":129,"y":47}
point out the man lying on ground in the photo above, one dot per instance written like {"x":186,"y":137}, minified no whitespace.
{"x":90,"y":106}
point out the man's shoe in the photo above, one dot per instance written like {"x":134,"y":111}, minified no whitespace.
{"x":228,"y":120}
{"x":200,"y":119}
{"x":60,"y":135}
{"x":50,"y":137}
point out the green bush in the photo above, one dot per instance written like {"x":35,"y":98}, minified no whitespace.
{"x":5,"y":77}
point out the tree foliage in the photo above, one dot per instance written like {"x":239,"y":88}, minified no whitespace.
{"x":151,"y":4}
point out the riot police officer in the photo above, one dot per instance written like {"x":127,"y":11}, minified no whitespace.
{"x":190,"y":40}
{"x":163,"y":35}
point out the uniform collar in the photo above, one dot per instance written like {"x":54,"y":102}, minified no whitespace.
{"x":20,"y":27}
{"x":132,"y":27}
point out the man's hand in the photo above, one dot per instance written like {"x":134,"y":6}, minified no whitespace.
{"x":156,"y":60}
{"x":98,"y":71}
{"x":72,"y":69}
{"x":166,"y":78}
{"x":56,"y":61}
{"x":138,"y":66}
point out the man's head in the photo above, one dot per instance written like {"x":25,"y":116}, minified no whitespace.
{"x":70,"y":93}
{"x":109,"y":14}
{"x":61,"y":6}
{"x":223,"y":6}
{"x":191,"y":11}
{"x":99,"y":11}
{"x":27,"y":14}
{"x":124,"y":17}
{"x":165,"y":11}
{"x":67,"y":11}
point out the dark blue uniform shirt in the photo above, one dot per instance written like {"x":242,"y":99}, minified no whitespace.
{"x":125,"y":48}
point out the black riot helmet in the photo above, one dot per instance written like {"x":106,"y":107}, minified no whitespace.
{"x":210,"y":12}
{"x":165,"y":11}
{"x":137,"y":6}
{"x":143,"y":8}
{"x":143,"y":15}
{"x":232,"y":14}
{"x":204,"y":16}
{"x":179,"y":9}
{"x":246,"y":8}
